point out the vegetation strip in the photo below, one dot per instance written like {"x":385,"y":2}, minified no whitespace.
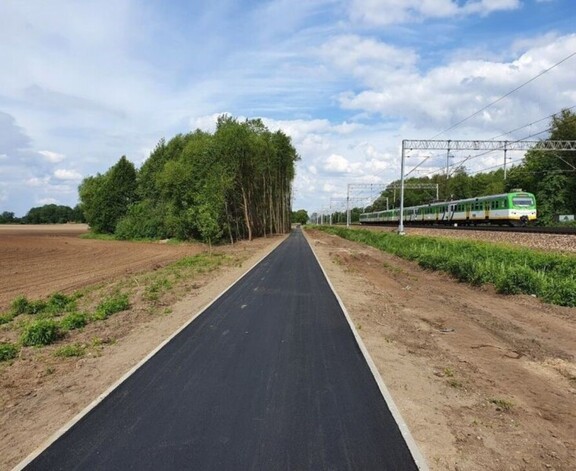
{"x":550,"y":277}
{"x":40,"y":323}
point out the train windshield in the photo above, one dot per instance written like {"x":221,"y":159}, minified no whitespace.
{"x":523,"y":201}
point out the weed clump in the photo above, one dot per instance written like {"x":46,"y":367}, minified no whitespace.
{"x":112,"y":305}
{"x":74,"y":320}
{"x":40,"y":332}
{"x":73,"y":350}
{"x":8,"y":351}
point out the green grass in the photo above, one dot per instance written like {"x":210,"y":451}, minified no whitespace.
{"x":96,"y":236}
{"x":73,"y":350}
{"x":55,"y":304}
{"x":6,"y":317}
{"x":156,"y":288}
{"x":116,"y":303}
{"x":40,"y":332}
{"x":551,"y":277}
{"x":8,"y":351}
{"x":74,"y":320}
{"x":199,"y":263}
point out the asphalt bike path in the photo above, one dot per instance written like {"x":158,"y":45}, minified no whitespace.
{"x":269,"y":377}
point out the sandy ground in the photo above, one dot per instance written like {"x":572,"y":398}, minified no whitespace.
{"x":485,"y":382}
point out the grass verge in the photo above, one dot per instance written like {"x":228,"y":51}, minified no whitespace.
{"x":550,"y":277}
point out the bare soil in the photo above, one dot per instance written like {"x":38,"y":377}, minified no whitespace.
{"x":37,"y":260}
{"x":485,"y":382}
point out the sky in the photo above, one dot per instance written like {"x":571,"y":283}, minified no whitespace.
{"x":85,"y":82}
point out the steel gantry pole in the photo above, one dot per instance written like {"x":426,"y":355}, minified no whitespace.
{"x":401,"y":217}
{"x":348,"y":215}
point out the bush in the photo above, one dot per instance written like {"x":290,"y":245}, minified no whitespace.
{"x":8,"y":351}
{"x":143,"y":221}
{"x":74,"y":320}
{"x":112,"y":305}
{"x":40,"y":332}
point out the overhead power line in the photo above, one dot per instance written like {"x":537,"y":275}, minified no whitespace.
{"x":504,"y":96}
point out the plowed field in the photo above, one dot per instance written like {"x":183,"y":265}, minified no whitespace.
{"x":36,"y":261}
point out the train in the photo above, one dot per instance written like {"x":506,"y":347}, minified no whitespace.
{"x":516,"y":208}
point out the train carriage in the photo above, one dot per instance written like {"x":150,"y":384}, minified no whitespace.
{"x":514,"y":208}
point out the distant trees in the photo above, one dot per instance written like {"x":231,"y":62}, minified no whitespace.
{"x":8,"y":218}
{"x":53,"y":214}
{"x":235,"y":183}
{"x":300,"y":216}
{"x":47,"y":214}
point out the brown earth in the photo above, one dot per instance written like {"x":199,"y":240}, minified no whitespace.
{"x":36,"y":261}
{"x":485,"y":382}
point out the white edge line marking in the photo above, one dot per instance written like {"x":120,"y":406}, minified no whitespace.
{"x":56,"y":435}
{"x":410,"y":442}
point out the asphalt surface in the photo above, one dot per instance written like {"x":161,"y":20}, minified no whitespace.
{"x":269,"y":377}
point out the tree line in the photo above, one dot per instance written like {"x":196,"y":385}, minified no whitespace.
{"x":235,"y":183}
{"x":47,"y":214}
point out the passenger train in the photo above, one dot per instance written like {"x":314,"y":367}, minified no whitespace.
{"x":516,"y":208}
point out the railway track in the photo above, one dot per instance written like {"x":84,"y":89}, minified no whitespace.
{"x":518,"y":229}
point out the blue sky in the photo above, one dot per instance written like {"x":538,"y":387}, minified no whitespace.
{"x":85,"y":82}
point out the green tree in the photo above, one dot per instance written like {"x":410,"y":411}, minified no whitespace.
{"x":300,"y":216}
{"x":551,"y":176}
{"x":8,"y":217}
{"x":105,"y":199}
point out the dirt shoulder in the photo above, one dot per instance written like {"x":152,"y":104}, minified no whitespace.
{"x":484,"y":381}
{"x":39,"y":392}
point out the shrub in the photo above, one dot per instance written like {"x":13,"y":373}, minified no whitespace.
{"x":74,"y":320}
{"x":112,"y":305}
{"x":40,"y":332}
{"x":8,"y":351}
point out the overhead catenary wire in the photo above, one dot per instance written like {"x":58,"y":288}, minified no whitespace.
{"x":505,"y":95}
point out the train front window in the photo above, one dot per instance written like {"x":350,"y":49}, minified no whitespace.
{"x":524,"y":202}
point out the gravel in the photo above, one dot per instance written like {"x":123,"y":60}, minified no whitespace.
{"x":545,"y":242}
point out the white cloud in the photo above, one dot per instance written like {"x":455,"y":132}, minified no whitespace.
{"x":448,"y":93}
{"x":37,"y":181}
{"x":386,"y":12}
{"x":66,"y":174}
{"x":53,"y":157}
